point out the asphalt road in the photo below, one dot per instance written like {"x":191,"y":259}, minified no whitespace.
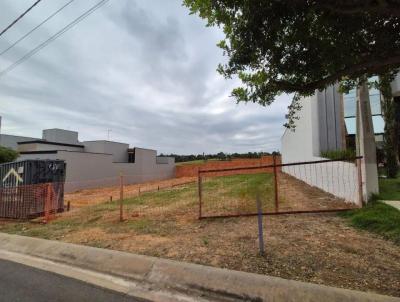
{"x":23,"y":283}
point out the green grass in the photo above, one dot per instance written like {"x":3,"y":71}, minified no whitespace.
{"x":378,"y":218}
{"x":182,"y":199}
{"x":245,"y":186}
{"x":389,"y":188}
{"x":237,"y":193}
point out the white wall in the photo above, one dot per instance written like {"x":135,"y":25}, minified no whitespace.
{"x":91,"y":170}
{"x":45,"y":147}
{"x":301,"y":144}
{"x":396,"y":85}
{"x":338,"y":178}
{"x":11,"y":141}
{"x":318,"y":129}
{"x":60,"y":136}
{"x":118,"y":150}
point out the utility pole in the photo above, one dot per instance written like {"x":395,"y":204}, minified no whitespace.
{"x":108,"y":134}
{"x":365,"y":142}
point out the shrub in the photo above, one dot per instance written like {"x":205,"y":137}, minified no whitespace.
{"x":7,"y":155}
{"x":347,"y":154}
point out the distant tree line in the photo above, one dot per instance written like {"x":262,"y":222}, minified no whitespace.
{"x":217,"y":156}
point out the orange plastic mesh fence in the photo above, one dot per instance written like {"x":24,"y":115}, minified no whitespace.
{"x":29,"y":201}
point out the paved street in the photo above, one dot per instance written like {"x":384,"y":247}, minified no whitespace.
{"x":23,"y":283}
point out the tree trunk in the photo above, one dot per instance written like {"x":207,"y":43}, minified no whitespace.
{"x":391,"y":142}
{"x":397,"y":124}
{"x":365,"y":140}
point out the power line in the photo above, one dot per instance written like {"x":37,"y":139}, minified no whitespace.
{"x":53,"y":37}
{"x":19,"y":18}
{"x":36,"y":27}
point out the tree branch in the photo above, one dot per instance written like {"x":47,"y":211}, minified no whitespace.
{"x":388,"y":10}
{"x":354,"y":70}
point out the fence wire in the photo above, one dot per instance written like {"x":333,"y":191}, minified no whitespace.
{"x":157,"y":200}
{"x":283,"y":188}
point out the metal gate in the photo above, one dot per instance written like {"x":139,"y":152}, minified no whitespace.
{"x":301,"y":187}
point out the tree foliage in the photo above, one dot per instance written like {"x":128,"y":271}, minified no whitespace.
{"x":7,"y":155}
{"x":298,"y":46}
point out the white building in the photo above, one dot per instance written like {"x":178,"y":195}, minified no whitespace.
{"x":323,"y":126}
{"x":92,"y":163}
{"x":324,"y":121}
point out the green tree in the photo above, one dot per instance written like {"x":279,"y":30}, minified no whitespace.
{"x":298,"y":46}
{"x":7,"y":155}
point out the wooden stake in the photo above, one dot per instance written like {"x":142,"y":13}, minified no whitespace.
{"x":121,"y":197}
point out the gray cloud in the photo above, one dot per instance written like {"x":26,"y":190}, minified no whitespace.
{"x":145,"y":69}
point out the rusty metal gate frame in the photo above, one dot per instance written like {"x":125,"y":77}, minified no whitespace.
{"x":275,"y":166}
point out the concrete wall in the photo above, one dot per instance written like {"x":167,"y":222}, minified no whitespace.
{"x":119,"y":150}
{"x":11,"y":141}
{"x":318,"y":128}
{"x":337,"y":178}
{"x":301,"y":143}
{"x":45,"y":147}
{"x":91,"y":170}
{"x":60,"y":136}
{"x":396,"y":85}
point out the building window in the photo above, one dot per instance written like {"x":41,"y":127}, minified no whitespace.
{"x":350,"y":111}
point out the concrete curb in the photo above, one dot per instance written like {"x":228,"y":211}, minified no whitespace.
{"x":198,"y":280}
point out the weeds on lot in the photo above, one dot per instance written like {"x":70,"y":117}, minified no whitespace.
{"x":149,"y":213}
{"x":389,"y":188}
{"x":377,"y":217}
{"x":234,"y":194}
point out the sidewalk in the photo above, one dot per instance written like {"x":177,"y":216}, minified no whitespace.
{"x":165,"y":280}
{"x":393,"y":203}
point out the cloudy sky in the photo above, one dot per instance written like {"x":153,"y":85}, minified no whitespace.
{"x":144,"y":69}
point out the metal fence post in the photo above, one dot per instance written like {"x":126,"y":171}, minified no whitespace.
{"x":276,"y":184}
{"x":200,"y":188}
{"x":121,"y":196}
{"x":359,"y":182}
{"x":260,"y":226}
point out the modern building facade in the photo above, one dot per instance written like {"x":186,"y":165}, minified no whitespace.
{"x":320,"y":128}
{"x":325,"y":120}
{"x":93,"y":163}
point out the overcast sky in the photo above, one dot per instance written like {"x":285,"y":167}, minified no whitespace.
{"x":145,"y":69}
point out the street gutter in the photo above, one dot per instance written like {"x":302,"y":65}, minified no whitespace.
{"x":159,"y":279}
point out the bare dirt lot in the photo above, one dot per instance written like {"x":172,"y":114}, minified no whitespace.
{"x":318,"y":248}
